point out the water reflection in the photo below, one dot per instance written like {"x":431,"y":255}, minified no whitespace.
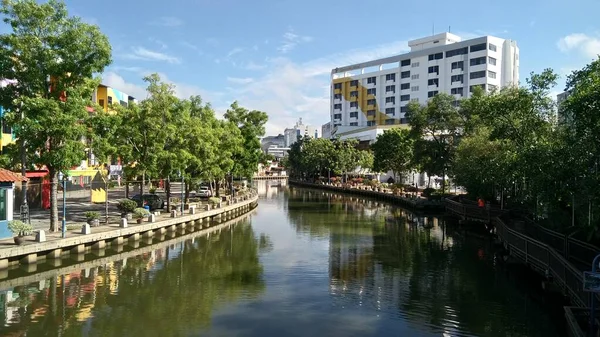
{"x":309,"y":263}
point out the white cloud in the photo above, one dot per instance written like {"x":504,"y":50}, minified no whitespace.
{"x":291,"y":40}
{"x":588,"y":46}
{"x":254,"y":66}
{"x":290,"y":90}
{"x":161,"y":44}
{"x":191,"y":46}
{"x":238,"y":80}
{"x":141,"y":53}
{"x":114,"y":80}
{"x":234,"y":51}
{"x":168,"y":21}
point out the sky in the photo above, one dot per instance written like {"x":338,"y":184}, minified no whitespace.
{"x":277,"y":55}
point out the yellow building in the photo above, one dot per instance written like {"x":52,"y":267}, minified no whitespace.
{"x":105,"y":96}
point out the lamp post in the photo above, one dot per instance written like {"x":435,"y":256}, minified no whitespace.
{"x":182,"y":188}
{"x":63,"y":178}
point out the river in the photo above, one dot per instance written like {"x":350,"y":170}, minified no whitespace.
{"x":304,"y":263}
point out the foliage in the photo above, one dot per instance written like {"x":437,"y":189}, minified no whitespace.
{"x":140,"y":213}
{"x":214,"y":200}
{"x":92,"y":215}
{"x":127,"y":206}
{"x":49,"y":59}
{"x":393,"y":151}
{"x":20,"y":228}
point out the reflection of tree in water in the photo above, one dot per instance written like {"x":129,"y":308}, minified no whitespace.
{"x":265,"y":244}
{"x":171,"y":292}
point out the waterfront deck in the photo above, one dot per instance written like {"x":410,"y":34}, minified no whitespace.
{"x":56,"y":247}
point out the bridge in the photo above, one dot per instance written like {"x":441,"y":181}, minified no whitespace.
{"x":559,"y":257}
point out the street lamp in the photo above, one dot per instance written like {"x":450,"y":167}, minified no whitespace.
{"x":182,"y":188}
{"x":63,"y":177}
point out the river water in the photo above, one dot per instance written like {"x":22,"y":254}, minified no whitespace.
{"x":304,"y":263}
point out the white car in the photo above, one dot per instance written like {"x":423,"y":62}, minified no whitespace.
{"x":204,"y":192}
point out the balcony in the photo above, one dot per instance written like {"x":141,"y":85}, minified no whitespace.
{"x":457,"y":71}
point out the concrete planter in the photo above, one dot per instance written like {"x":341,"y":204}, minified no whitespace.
{"x":94,"y":222}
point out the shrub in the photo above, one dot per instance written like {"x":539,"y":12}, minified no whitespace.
{"x":391,"y":180}
{"x":92,"y":215}
{"x":214,"y":200}
{"x":140,"y":213}
{"x":19,"y":228}
{"x":152,"y":190}
{"x":428,"y":191}
{"x":127,"y":206}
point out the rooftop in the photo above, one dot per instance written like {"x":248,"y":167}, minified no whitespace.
{"x":7,"y":176}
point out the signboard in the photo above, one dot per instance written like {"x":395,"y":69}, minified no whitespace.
{"x":591,"y":282}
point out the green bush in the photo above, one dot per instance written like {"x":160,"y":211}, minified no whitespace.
{"x":127,"y":206}
{"x":140,"y":213}
{"x":92,"y":215}
{"x":19,"y":228}
{"x":152,"y":190}
{"x":214,"y":200}
{"x":428,"y":191}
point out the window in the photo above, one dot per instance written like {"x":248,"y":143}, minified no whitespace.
{"x":404,"y":109}
{"x":389,"y":121}
{"x":354,"y":104}
{"x":405,"y":86}
{"x":404,"y":97}
{"x":415,"y":64}
{"x":458,"y":65}
{"x":370,"y":112}
{"x":337,"y":106}
{"x":354,"y":124}
{"x":403,"y":120}
{"x":354,"y":114}
{"x":337,"y":96}
{"x":493,"y":47}
{"x":456,"y":52}
{"x":371,"y":91}
{"x":337,"y":116}
{"x":432,"y":93}
{"x":478,"y":61}
{"x":335,"y":125}
{"x":371,"y":123}
{"x":109,"y":100}
{"x":492,"y":61}
{"x":372,"y":80}
{"x":414,"y":77}
{"x":436,"y":41}
{"x":471,"y":88}
{"x":478,"y":47}
{"x":337,"y":86}
{"x":354,"y":93}
{"x":414,"y":99}
{"x":390,"y":99}
{"x":477,"y":74}
{"x":123,"y":103}
{"x":492,"y":87}
{"x":390,"y":111}
{"x":404,"y":63}
{"x":371,"y":102}
{"x":101,"y":102}
{"x":437,"y":56}
{"x":457,"y":78}
{"x":390,"y":88}
{"x":6,"y":129}
{"x":354,"y":83}
{"x":491,"y":74}
{"x":434,"y":81}
{"x":456,"y":91}
{"x":415,"y":88}
{"x":390,"y":77}
{"x":405,"y":74}
{"x":434,"y":69}
{"x":3,"y":204}
{"x":456,"y":103}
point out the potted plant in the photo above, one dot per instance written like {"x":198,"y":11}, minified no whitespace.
{"x":214,"y":201}
{"x":152,"y":190}
{"x":139,"y":214}
{"x":20,"y":229}
{"x":127,"y":207}
{"x":92,"y":218}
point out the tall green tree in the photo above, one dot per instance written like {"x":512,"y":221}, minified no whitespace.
{"x":50,"y":58}
{"x":393,"y":151}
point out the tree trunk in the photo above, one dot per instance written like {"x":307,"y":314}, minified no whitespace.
{"x":428,"y":180}
{"x":187,"y":193}
{"x":168,"y":190}
{"x":142,"y":183}
{"x":54,"y":199}
{"x":106,"y":201}
{"x":217,"y":188}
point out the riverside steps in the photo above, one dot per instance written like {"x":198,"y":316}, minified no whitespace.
{"x":55,"y":247}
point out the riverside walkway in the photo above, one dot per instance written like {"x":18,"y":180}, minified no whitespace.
{"x":53,"y":246}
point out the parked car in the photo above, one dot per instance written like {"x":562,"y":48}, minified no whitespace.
{"x":204,"y":192}
{"x":152,"y":200}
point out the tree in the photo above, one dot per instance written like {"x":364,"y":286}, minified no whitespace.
{"x":393,"y":151}
{"x":436,"y":127}
{"x":50,"y":59}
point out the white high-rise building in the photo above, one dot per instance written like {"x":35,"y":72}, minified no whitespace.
{"x":377,"y":92}
{"x":299,"y":130}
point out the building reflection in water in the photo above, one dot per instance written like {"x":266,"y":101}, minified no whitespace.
{"x":270,"y":189}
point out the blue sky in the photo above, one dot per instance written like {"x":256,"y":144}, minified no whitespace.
{"x":276,"y":55}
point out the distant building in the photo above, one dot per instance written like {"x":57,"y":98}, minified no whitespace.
{"x":299,"y":130}
{"x":560,"y":98}
{"x":278,"y":152}
{"x":326,"y":130}
{"x":269,"y":141}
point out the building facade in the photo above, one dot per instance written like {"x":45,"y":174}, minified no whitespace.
{"x":299,"y":130}
{"x":377,"y":92}
{"x":272,"y":141}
